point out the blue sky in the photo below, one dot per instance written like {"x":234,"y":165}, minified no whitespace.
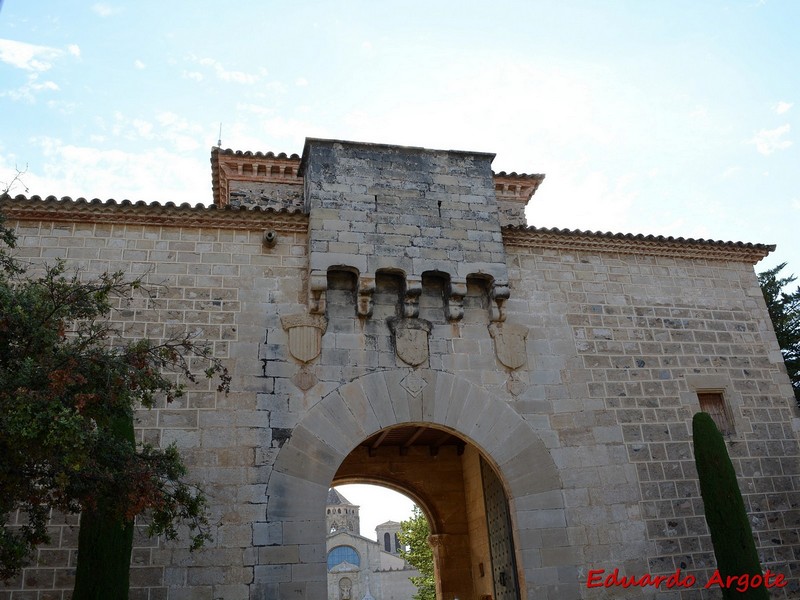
{"x":673,"y":118}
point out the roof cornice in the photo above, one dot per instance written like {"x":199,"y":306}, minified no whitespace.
{"x":141,"y":213}
{"x":229,"y":165}
{"x":516,"y":187}
{"x":628,"y":243}
{"x":294,"y":220}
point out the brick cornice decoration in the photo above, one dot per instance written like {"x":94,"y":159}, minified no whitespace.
{"x":229,"y":165}
{"x":126,"y":212}
{"x":627,"y":243}
{"x":236,"y":165}
{"x":516,"y":187}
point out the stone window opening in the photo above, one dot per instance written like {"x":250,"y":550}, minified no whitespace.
{"x":343,"y":554}
{"x":713,"y":403}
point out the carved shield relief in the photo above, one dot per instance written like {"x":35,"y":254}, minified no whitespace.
{"x":305,"y":335}
{"x":411,"y":339}
{"x":509,"y":343}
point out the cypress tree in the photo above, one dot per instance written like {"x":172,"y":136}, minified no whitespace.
{"x":727,"y":520}
{"x":105,"y":540}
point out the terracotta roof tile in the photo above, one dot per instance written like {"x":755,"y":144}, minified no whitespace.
{"x":153,"y":213}
{"x":516,"y":175}
{"x":658,"y":245}
{"x":281,"y":155}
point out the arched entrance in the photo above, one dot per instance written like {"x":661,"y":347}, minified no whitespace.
{"x":462,"y":497}
{"x":328,"y":444}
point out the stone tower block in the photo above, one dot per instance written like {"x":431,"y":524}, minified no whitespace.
{"x":409,"y":211}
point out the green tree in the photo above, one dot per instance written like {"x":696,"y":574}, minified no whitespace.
{"x":730,"y":530}
{"x":784,"y":311}
{"x":69,"y":385}
{"x":414,"y":548}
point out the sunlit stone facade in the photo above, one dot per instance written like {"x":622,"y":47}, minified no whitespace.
{"x":388,"y":316}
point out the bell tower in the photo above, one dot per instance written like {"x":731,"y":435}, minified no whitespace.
{"x":341,"y":514}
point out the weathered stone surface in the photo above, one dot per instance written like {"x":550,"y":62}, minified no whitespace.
{"x":411,"y":339}
{"x":509,"y":343}
{"x":589,"y":433}
{"x":305,"y":334}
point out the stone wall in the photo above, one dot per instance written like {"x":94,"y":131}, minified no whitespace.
{"x":219,"y":284}
{"x":622,"y":343}
{"x":569,"y":361}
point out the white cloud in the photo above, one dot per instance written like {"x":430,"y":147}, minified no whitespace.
{"x":143,"y":128}
{"x":102,"y":9}
{"x":783,"y":107}
{"x":271,"y":87}
{"x":598,"y":200}
{"x":138,"y":64}
{"x":194,"y":75}
{"x":266,"y":132}
{"x":256,"y":108}
{"x":29,"y":57}
{"x":174,"y":131}
{"x":35,"y":59}
{"x":730,"y":172}
{"x":29,"y":89}
{"x":182,"y":134}
{"x":768,"y":141}
{"x":45,"y":85}
{"x":700,"y":112}
{"x":226,"y":75}
{"x":301,"y":82}
{"x":511,"y":106}
{"x":168,"y":118}
{"x":152,"y":174}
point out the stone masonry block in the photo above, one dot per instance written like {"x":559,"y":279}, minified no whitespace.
{"x":268,"y":534}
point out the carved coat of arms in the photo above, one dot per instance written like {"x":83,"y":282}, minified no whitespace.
{"x":509,"y":343}
{"x":411,"y":339}
{"x":305,"y":335}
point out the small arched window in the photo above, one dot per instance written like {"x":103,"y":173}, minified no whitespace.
{"x":387,"y":544}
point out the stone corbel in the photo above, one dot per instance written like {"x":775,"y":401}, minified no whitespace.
{"x":317,"y":286}
{"x":411,"y":296}
{"x":455,"y":299}
{"x":366,"y":290}
{"x":500,"y":293}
